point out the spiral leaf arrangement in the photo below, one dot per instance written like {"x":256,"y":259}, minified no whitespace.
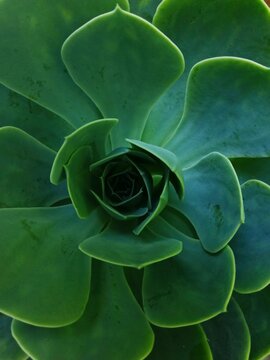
{"x":134,"y":204}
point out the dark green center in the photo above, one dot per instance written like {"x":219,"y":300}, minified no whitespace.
{"x":123,"y":182}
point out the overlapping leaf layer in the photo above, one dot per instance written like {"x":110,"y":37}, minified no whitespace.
{"x":135,"y":196}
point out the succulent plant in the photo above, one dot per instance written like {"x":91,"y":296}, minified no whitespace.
{"x":135,"y":205}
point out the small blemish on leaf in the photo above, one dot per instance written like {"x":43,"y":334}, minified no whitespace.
{"x":153,"y":299}
{"x":28,"y":228}
{"x":218,"y":215}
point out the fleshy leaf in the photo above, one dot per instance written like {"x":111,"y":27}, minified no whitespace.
{"x":113,"y":325}
{"x":206,"y":29}
{"x":94,"y":135}
{"x":176,"y":219}
{"x":183,"y":343}
{"x":166,"y":158}
{"x":227,"y":106}
{"x":213,"y":184}
{"x":256,"y":311}
{"x":158,"y":206}
{"x":144,"y":8}
{"x":228,"y":334}
{"x":109,"y":157}
{"x":252,"y":168}
{"x":99,"y":57}
{"x":25,"y":169}
{"x":190,"y":287}
{"x":251,"y":244}
{"x":119,"y":215}
{"x":9,"y":349}
{"x":36,"y":244}
{"x":42,"y":76}
{"x":17,"y":111}
{"x":78,"y":181}
{"x":122,"y":247}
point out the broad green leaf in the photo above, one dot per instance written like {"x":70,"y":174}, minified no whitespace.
{"x":185,"y":343}
{"x":122,"y":247}
{"x":251,"y":244}
{"x":144,"y":8}
{"x":25,"y":170}
{"x":227,"y":106}
{"x":113,"y":325}
{"x":17,"y":111}
{"x":256,"y":311}
{"x":228,"y":334}
{"x":34,"y":32}
{"x":113,"y":51}
{"x":44,"y":279}
{"x":79,"y":181}
{"x":204,"y":29}
{"x":252,"y":168}
{"x":9,"y":349}
{"x":212,"y":201}
{"x":94,"y":135}
{"x":166,"y":158}
{"x":190,"y":287}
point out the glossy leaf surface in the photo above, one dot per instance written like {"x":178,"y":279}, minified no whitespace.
{"x":241,"y":87}
{"x":25,"y":168}
{"x":228,"y":334}
{"x":251,"y":244}
{"x":146,"y":236}
{"x":205,"y":29}
{"x":78,"y":181}
{"x":158,"y":206}
{"x":125,"y":248}
{"x":212,"y":201}
{"x":44,"y":242}
{"x":42,"y":77}
{"x":176,"y":219}
{"x":166,"y":158}
{"x":45,"y":126}
{"x":99,"y":57}
{"x":9,"y":349}
{"x":256,"y":311}
{"x":194,"y":295}
{"x":184,"y":343}
{"x":94,"y":135}
{"x":113,"y":325}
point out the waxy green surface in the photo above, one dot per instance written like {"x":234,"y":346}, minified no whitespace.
{"x":41,"y":244}
{"x":255,"y":309}
{"x":180,"y":282}
{"x":147,"y":115}
{"x":31,"y":185}
{"x":110,"y":308}
{"x":228,"y":334}
{"x":42,"y":77}
{"x":202,"y":30}
{"x":9,"y":349}
{"x":99,"y":53}
{"x":250,"y":245}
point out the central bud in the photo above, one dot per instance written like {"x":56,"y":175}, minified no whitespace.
{"x":133,"y":184}
{"x":123,"y":184}
{"x":130,"y":183}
